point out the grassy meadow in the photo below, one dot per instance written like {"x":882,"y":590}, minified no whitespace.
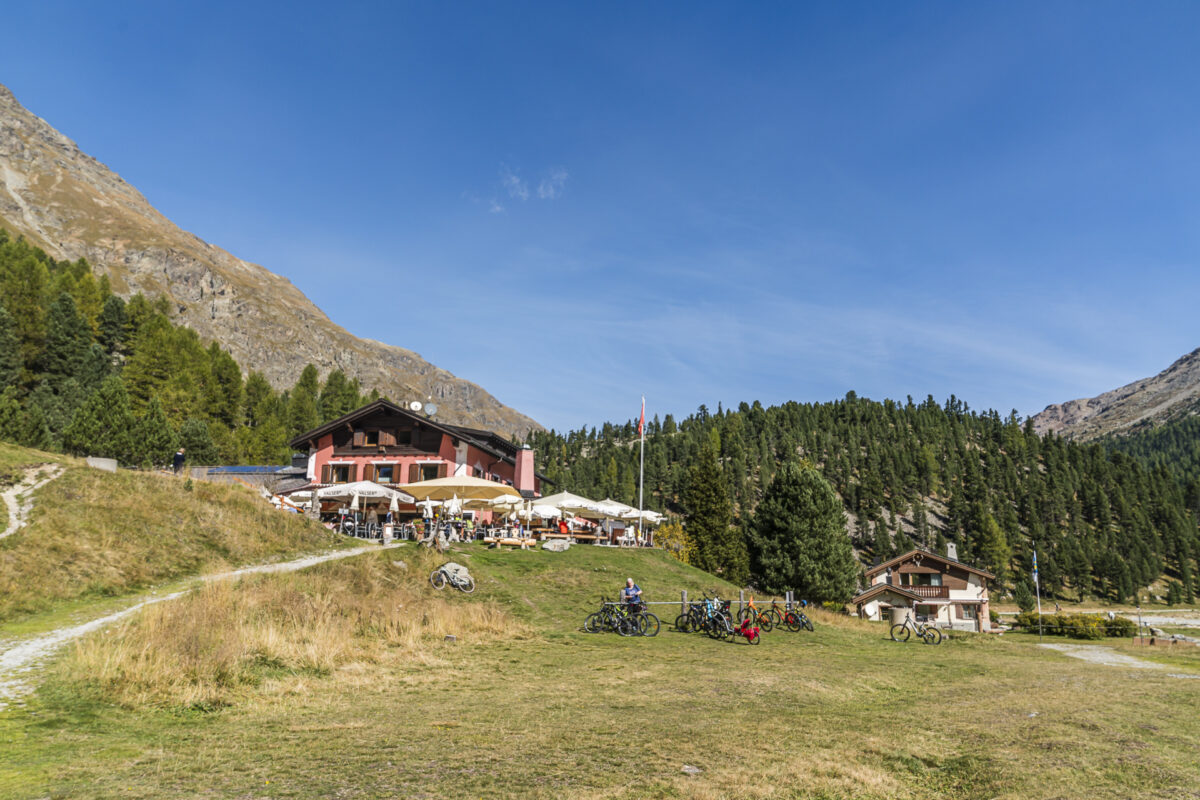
{"x":95,"y":534}
{"x":337,"y":682}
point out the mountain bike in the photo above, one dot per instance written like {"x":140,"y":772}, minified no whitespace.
{"x":458,"y":578}
{"x":752,"y":614}
{"x":924,"y":631}
{"x":785,"y":617}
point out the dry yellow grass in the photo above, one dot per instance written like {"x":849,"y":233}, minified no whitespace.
{"x":274,"y":632}
{"x":93,"y":533}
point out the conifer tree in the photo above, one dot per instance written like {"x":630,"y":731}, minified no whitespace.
{"x":10,"y":354}
{"x":113,"y":326}
{"x":12,"y":417}
{"x":799,"y":539}
{"x":303,"y":414}
{"x":720,"y":548}
{"x":68,"y":340}
{"x":196,"y":439}
{"x":103,"y":426}
{"x":154,"y":441}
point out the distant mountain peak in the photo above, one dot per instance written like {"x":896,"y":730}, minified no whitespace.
{"x":73,"y":206}
{"x":1170,"y":393}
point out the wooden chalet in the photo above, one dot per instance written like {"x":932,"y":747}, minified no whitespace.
{"x":937,"y":588}
{"x":390,"y":445}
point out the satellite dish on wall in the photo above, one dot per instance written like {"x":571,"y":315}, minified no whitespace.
{"x":415,"y":405}
{"x":430,"y":409}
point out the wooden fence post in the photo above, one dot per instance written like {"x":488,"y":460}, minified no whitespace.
{"x":741,"y":601}
{"x":788,"y":601}
{"x":683,"y":602}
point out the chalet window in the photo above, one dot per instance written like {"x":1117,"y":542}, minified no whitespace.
{"x":341,"y":473}
{"x":386,"y":473}
{"x":430,"y":471}
{"x":371,"y":438}
{"x":404,"y":436}
{"x":968,"y":612}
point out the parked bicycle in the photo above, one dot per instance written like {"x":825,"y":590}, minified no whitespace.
{"x":455,"y":575}
{"x":783,"y":617}
{"x":755,"y":616}
{"x":624,"y":619}
{"x":924,"y":631}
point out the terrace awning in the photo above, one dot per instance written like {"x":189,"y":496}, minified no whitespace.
{"x":362,"y":490}
{"x":463,"y":487}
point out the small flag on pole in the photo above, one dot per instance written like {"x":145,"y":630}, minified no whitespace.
{"x":1035,"y":570}
{"x":642,"y":419}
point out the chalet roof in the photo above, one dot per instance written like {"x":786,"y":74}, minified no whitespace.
{"x":882,"y":588}
{"x":486,"y":441}
{"x":925,"y":555}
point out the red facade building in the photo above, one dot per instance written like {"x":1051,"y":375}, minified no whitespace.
{"x":390,"y":445}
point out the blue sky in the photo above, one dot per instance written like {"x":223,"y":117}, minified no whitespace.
{"x":699,"y":202}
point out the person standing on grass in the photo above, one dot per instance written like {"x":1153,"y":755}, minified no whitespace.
{"x":177,"y":461}
{"x":631,"y":595}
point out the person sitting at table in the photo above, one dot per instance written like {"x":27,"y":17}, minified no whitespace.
{"x":563,"y":527}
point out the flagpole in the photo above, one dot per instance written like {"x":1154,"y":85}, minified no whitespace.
{"x":1037,"y":587}
{"x":642,"y":465}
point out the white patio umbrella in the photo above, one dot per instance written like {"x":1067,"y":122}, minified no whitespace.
{"x":572,"y":503}
{"x":364,"y":489}
{"x":394,"y":506}
{"x":354,"y":502}
{"x":429,"y":505}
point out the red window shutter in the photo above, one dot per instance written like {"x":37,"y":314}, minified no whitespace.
{"x":325,"y":471}
{"x":414,"y":473}
{"x":368,"y":472}
{"x":443,"y":469}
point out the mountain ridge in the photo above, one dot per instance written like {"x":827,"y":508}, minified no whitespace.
{"x":1169,"y":394}
{"x":73,"y":206}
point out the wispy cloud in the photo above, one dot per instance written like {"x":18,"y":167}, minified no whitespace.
{"x":494,"y":207}
{"x":552,"y":185}
{"x":513,"y":184}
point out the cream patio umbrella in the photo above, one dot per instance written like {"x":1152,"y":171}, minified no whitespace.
{"x":362,"y":489}
{"x":571,"y":503}
{"x":464,"y":487}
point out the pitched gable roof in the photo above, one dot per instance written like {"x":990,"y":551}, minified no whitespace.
{"x":881,"y":588}
{"x":926,"y":555}
{"x":486,"y":441}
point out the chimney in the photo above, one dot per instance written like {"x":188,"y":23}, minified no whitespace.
{"x":523,"y":480}
{"x":952,"y":551}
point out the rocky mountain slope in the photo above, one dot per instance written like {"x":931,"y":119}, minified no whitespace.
{"x":1171,"y":393}
{"x":73,"y":206}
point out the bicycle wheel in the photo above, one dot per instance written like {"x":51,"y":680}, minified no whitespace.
{"x":438,"y":579}
{"x":648,"y":624}
{"x":466,"y":585}
{"x":900,"y":632}
{"x":725,"y":627}
{"x":683,"y":623}
{"x":806,"y":622}
{"x":754,"y":638}
{"x":791,"y":622}
{"x":594,"y":623}
{"x":765,"y":622}
{"x":712,"y":628}
{"x":776,"y":617}
{"x":933,"y":635}
{"x":745,"y":614}
{"x":627,"y":626}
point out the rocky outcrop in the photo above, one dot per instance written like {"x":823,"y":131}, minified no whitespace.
{"x":1169,"y":394}
{"x":73,"y":206}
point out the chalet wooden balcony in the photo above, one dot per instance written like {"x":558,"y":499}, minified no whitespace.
{"x":930,"y":591}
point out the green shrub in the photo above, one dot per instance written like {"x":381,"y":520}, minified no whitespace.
{"x":1077,"y":626}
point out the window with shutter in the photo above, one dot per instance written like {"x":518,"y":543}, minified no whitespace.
{"x":414,"y":473}
{"x":368,"y":472}
{"x":325,"y":470}
{"x":443,"y":470}
{"x":358,"y":438}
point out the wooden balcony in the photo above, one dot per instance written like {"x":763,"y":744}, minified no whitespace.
{"x":930,"y":591}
